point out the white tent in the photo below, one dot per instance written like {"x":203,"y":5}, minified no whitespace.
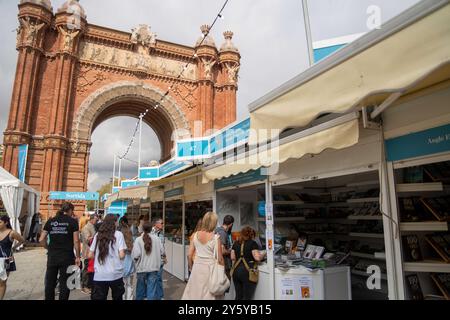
{"x":13,"y":193}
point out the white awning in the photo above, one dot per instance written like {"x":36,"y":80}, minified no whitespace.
{"x":408,"y":53}
{"x":133,"y":193}
{"x":337,"y":134}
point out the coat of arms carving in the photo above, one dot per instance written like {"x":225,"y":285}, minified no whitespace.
{"x":143,"y":36}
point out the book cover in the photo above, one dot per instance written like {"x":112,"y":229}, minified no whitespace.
{"x":439,"y":207}
{"x":442,"y":281}
{"x":441,"y":245}
{"x":414,"y":287}
{"x":411,"y":248}
{"x":412,"y":210}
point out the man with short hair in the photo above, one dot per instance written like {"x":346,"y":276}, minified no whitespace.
{"x":224,"y":233}
{"x":158,"y":230}
{"x":63,"y":250}
{"x":87,"y":234}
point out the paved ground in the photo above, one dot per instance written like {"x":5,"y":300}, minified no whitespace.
{"x":27,"y":283}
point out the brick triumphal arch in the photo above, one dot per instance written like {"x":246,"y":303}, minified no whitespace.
{"x":71,"y":76}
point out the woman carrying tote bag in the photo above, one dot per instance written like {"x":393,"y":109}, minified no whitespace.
{"x":208,"y":280}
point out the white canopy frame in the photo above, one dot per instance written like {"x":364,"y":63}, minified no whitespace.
{"x":13,"y":192}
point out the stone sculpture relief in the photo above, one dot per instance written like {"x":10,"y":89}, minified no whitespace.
{"x":31,"y":30}
{"x":121,"y":58}
{"x":68,"y":37}
{"x":233,"y":72}
{"x":208,"y":65}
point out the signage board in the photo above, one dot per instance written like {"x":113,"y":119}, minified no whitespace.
{"x":325,"y":48}
{"x":174,"y":193}
{"x":228,"y":138}
{"x":171,"y":167}
{"x":418,"y":144}
{"x":118,"y":207}
{"x":74,"y":196}
{"x":243,"y":178}
{"x":130,"y":183}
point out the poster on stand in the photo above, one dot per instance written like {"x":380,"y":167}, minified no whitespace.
{"x":306,"y":288}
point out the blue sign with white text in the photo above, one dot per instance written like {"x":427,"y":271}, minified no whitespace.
{"x":170,"y":167}
{"x":130,"y":183}
{"x":193,"y":149}
{"x":23,"y":154}
{"x":431,"y":141}
{"x":231,"y":137}
{"x":149,"y":173}
{"x":118,"y":207}
{"x":75,"y":196}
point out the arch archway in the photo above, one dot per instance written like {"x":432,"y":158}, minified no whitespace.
{"x":129,"y":98}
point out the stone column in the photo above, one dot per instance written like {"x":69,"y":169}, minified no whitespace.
{"x":207,"y":67}
{"x":34,"y":22}
{"x":56,"y":141}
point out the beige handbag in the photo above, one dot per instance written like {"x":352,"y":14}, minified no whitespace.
{"x":218,"y":280}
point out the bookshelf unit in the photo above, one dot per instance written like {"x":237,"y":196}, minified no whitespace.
{"x":423,"y":200}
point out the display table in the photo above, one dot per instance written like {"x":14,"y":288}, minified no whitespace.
{"x":332,"y":283}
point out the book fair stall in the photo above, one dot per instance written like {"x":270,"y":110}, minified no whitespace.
{"x":355,"y":200}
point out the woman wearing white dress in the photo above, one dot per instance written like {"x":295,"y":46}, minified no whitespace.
{"x":203,"y":245}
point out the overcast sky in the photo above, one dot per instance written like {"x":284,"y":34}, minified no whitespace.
{"x":269,"y":34}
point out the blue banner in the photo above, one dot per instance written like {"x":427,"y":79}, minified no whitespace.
{"x":171,"y":167}
{"x":428,"y":142}
{"x":224,"y":140}
{"x":240,"y":179}
{"x":23,"y":155}
{"x":75,"y":196}
{"x":118,"y":207}
{"x":231,"y":138}
{"x":116,"y":189}
{"x":130,"y":183}
{"x":193,"y":149}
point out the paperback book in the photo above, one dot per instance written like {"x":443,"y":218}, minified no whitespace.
{"x":414,"y":287}
{"x":411,"y":248}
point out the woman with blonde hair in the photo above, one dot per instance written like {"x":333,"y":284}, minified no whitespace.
{"x":205,"y":243}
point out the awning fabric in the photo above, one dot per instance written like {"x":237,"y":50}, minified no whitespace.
{"x":338,"y":137}
{"x":141,"y":192}
{"x":12,"y":192}
{"x":420,"y":51}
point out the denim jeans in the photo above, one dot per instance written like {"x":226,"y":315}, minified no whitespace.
{"x":147,"y":286}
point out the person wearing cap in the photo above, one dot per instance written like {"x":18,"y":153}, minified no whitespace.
{"x":87,"y":234}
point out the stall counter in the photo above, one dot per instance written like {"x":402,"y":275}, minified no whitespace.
{"x":333,"y":283}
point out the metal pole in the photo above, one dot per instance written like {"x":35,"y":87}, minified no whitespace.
{"x":270,"y":238}
{"x":140,"y":142}
{"x":120,"y":169}
{"x":308,"y":32}
{"x":114,"y":176}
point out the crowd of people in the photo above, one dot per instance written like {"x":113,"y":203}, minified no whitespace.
{"x":128,"y":260}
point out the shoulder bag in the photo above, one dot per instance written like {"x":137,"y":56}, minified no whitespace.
{"x":253,"y":273}
{"x":218,"y":280}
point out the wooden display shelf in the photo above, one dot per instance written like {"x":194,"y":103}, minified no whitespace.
{"x":420,"y":187}
{"x":424,"y":226}
{"x":287,"y":219}
{"x":375,"y":256}
{"x":356,"y":217}
{"x":363,"y":200}
{"x":364,"y":274}
{"x":433,"y":266}
{"x":366,"y":235}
